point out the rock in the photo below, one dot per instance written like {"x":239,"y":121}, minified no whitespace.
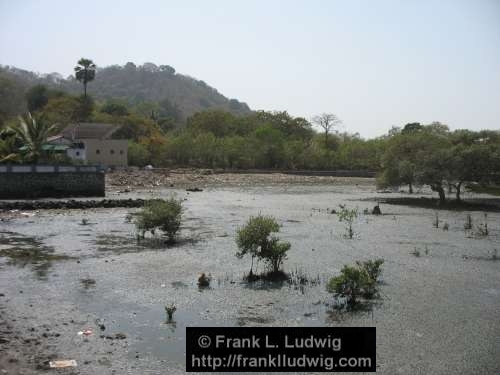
{"x":194,"y":190}
{"x":120,"y":336}
{"x":376,"y":210}
{"x":204,"y":280}
{"x":71,"y":204}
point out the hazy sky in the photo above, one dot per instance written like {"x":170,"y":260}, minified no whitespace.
{"x":373,"y":63}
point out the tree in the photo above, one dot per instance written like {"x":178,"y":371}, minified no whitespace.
{"x":412,"y":127}
{"x":138,"y":154}
{"x":12,"y":101}
{"x":327,"y":121}
{"x":255,"y":239}
{"x":296,"y":127}
{"x":215,"y":121}
{"x":85,"y":72}
{"x":359,"y":280}
{"x":37,"y":97}
{"x":8,"y":146}
{"x":433,"y":170}
{"x":164,"y":215}
{"x":67,"y":109}
{"x":33,"y":134}
{"x":417,"y":156}
{"x":115,"y":108}
{"x":399,"y":160}
{"x":473,"y":163}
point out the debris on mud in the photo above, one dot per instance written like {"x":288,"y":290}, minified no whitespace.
{"x":63,"y":363}
{"x":70,"y":204}
{"x":194,"y":190}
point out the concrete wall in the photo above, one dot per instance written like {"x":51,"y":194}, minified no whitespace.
{"x":43,"y":181}
{"x":76,"y":154}
{"x":108,"y":152}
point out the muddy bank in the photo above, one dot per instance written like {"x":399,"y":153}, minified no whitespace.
{"x":70,"y":204}
{"x":182,"y":178}
{"x":476,"y":204}
{"x":433,"y":307}
{"x":24,"y":349}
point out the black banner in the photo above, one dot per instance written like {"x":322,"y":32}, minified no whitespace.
{"x":272,"y":349}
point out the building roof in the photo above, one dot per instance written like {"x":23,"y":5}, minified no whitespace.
{"x":89,"y":130}
{"x":59,"y":140}
{"x":49,"y":147}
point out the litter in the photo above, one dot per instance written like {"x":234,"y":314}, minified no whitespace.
{"x":85,"y":332}
{"x":63,"y":363}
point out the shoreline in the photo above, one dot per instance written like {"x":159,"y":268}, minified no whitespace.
{"x":200,"y":178}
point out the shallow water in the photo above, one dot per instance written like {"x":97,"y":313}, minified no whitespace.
{"x":438,"y":313}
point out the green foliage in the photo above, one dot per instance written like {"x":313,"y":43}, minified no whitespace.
{"x":356,"y":281}
{"x":162,"y":215}
{"x":348,"y":216}
{"x":9,"y":148}
{"x":12,"y":100}
{"x":138,"y":154}
{"x":372,"y":267}
{"x":32,"y":133}
{"x":256,"y":240}
{"x":431,"y":155}
{"x":115,"y":108}
{"x":37,"y":97}
{"x":63,"y":110}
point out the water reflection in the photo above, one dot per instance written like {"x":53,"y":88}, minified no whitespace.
{"x":22,"y":251}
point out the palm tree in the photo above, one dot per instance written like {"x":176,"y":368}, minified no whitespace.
{"x":8,"y":149}
{"x":85,"y":72}
{"x":33,"y":134}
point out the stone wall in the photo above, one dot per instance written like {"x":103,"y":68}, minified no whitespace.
{"x":43,"y":181}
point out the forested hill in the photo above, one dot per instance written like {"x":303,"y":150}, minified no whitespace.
{"x":135,"y":84}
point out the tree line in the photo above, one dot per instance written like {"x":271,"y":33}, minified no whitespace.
{"x":414,"y":155}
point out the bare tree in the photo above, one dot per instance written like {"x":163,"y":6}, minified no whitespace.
{"x":327,"y":121}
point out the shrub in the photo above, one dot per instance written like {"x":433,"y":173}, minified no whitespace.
{"x":275,"y":253}
{"x":356,"y":281}
{"x":348,"y":216}
{"x":372,"y":267}
{"x":468,"y":222}
{"x":170,"y":310}
{"x":482,"y":228}
{"x":255,"y":239}
{"x":435,"y":223}
{"x":162,"y":215}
